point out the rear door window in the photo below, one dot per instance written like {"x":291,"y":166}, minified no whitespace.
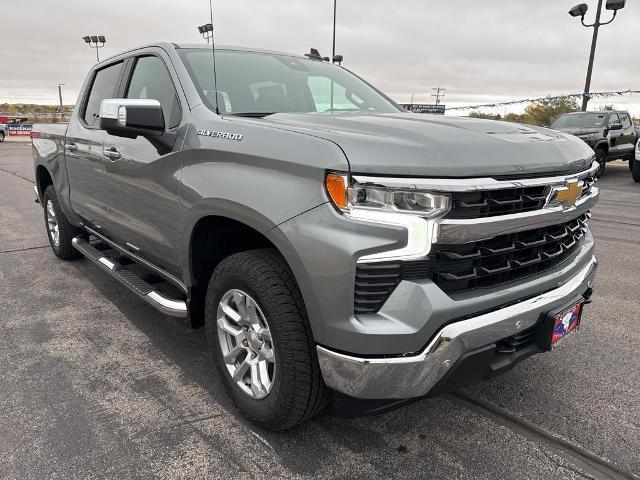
{"x":626,"y":121}
{"x":103,"y":86}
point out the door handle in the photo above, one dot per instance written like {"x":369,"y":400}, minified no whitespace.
{"x":70,"y":147}
{"x":112,"y":153}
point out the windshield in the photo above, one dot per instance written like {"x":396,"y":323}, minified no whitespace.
{"x":263,"y":83}
{"x":588,"y":120}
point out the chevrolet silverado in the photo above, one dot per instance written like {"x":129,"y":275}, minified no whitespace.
{"x":335,"y":247}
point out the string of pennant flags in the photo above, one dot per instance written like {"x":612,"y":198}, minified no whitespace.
{"x":542,"y":99}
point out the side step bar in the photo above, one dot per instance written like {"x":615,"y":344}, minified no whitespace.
{"x":168,"y":306}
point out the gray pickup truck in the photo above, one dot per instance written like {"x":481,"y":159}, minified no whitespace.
{"x":335,"y":247}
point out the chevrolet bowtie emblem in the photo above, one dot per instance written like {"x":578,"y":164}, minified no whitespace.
{"x":566,"y":195}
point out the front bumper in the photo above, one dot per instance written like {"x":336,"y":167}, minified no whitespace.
{"x":416,"y":375}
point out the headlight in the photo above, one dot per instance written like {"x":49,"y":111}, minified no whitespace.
{"x":350,"y":198}
{"x":378,"y":202}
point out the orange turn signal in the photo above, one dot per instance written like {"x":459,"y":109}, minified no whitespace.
{"x":337,"y":189}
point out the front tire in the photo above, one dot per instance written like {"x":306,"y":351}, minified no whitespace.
{"x":635,"y":172}
{"x":260,"y":340}
{"x":59,"y":230}
{"x":601,"y":158}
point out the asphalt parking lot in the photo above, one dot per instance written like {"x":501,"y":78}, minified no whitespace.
{"x":96,"y":384}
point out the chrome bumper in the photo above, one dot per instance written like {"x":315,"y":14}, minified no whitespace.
{"x":414,"y":376}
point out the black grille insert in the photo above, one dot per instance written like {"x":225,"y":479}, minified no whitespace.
{"x":490,"y":203}
{"x":483,"y":264}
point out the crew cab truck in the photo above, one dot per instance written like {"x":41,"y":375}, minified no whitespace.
{"x":610,"y":134}
{"x":334,"y":246}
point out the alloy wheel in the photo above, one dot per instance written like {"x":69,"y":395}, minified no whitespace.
{"x":52,"y":224}
{"x":246,"y":343}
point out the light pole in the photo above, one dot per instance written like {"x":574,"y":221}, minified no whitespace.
{"x":206,"y":31}
{"x":95,"y":41}
{"x":60,"y":85}
{"x":580,"y":11}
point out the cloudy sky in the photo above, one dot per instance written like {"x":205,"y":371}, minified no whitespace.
{"x":481,"y":51}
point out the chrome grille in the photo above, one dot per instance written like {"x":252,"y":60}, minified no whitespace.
{"x":505,"y":258}
{"x":483,"y":264}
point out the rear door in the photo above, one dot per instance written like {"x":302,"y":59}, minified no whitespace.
{"x":143,"y":194}
{"x":84,"y":146}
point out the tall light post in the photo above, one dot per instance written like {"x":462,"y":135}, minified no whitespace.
{"x":206,"y":31}
{"x":580,"y":11}
{"x":95,"y":41}
{"x":60,"y":85}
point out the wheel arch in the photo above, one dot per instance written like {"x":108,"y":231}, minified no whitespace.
{"x":602,"y":146}
{"x":43,"y":179}
{"x":216,"y":233}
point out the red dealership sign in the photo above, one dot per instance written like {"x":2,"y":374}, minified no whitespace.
{"x":20,"y":130}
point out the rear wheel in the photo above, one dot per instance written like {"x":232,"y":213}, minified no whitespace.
{"x":601,"y":157}
{"x":59,"y":230}
{"x":260,"y":340}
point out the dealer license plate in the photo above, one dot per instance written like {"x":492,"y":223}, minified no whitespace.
{"x":566,"y":323}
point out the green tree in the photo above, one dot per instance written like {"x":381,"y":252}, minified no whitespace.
{"x":545,"y":112}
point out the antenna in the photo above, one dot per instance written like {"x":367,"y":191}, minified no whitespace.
{"x":213,"y":51}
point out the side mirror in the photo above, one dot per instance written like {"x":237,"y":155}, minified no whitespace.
{"x":615,"y":126}
{"x":130,"y":118}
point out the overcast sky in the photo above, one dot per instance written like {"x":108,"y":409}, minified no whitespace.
{"x":481,"y":51}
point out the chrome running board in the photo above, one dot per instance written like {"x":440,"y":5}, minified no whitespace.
{"x":158,"y":300}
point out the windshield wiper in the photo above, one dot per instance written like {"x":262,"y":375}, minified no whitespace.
{"x":253,"y":114}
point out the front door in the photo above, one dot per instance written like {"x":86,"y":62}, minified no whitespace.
{"x":615,"y":136}
{"x":143,"y":197}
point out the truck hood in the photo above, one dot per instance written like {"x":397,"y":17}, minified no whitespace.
{"x":580,"y":130}
{"x":428,"y":145}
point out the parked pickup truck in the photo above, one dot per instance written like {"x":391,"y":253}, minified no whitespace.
{"x":334,"y":246}
{"x":611,"y":134}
